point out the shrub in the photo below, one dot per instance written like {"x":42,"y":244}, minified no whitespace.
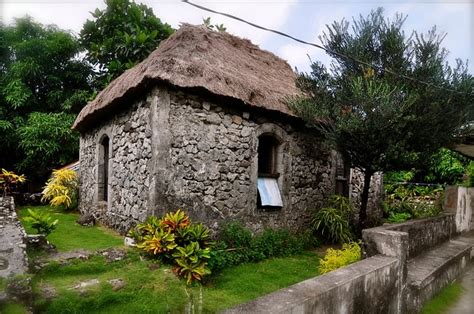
{"x":9,"y":180}
{"x":332,"y":222}
{"x":61,"y":190}
{"x":398,"y":217}
{"x":42,"y":222}
{"x":191,"y":262}
{"x":175,"y":239}
{"x":334,"y":259}
{"x":237,"y":245}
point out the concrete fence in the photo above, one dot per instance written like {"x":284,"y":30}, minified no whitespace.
{"x":405,"y":265}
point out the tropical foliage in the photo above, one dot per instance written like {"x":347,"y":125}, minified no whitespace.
{"x":120,"y":36}
{"x":174,"y":238}
{"x":43,"y":85}
{"x":61,"y":190}
{"x":9,"y":180}
{"x":333,"y":222}
{"x":41,"y":221}
{"x":334,"y":259}
{"x":378,"y":121}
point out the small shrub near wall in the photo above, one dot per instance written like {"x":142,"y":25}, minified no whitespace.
{"x":334,"y":259}
{"x":175,"y":239}
{"x":332,"y":223}
{"x":236,"y":245}
{"x":9,"y":181}
{"x":403,"y":202}
{"x":61,"y":190}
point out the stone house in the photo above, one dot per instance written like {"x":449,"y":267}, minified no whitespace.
{"x":202,"y":124}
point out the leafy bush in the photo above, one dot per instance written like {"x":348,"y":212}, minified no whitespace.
{"x":42,"y":222}
{"x":61,"y":190}
{"x":237,"y":245}
{"x":398,"y":217}
{"x":446,"y":166}
{"x":332,"y":222}
{"x":469,"y":175}
{"x":175,"y":239}
{"x":9,"y":180}
{"x":334,"y":259}
{"x":191,"y":262}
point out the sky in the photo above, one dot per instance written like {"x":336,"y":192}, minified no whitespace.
{"x":303,"y":19}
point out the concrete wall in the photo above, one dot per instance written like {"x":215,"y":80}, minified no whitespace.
{"x":460,"y":201}
{"x":425,"y":233}
{"x":380,"y":283}
{"x":362,"y":287}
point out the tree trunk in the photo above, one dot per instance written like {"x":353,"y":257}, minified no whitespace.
{"x":364,"y":199}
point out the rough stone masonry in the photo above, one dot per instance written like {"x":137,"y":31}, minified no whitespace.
{"x":176,"y":150}
{"x":13,"y":260}
{"x":184,"y":129}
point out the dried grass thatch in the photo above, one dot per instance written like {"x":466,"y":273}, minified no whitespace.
{"x":195,"y":57}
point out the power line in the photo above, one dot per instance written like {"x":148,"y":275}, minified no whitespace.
{"x":324,"y":48}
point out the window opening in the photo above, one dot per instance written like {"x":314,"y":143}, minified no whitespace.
{"x":269,"y":195}
{"x":104,"y":169}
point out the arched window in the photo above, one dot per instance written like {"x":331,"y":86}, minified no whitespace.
{"x":103,"y":169}
{"x":269,"y":195}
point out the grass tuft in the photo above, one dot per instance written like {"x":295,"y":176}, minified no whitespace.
{"x":69,"y":235}
{"x":444,"y":300}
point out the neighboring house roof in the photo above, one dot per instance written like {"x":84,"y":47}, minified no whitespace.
{"x":196,"y":57}
{"x":466,"y":146}
{"x":72,"y":166}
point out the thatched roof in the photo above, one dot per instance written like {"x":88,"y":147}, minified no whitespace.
{"x":220,"y":63}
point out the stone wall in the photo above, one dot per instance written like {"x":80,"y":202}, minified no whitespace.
{"x":211,"y":169}
{"x":173,"y":150}
{"x":13,"y":259}
{"x":129,"y":178}
{"x":374,"y":209}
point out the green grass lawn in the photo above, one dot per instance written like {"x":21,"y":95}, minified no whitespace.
{"x":147,"y":290}
{"x":441,"y":302}
{"x":159,"y":290}
{"x":69,"y":235}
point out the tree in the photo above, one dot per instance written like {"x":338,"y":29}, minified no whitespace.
{"x":120,"y":36}
{"x":43,"y":85}
{"x":377,"y":120}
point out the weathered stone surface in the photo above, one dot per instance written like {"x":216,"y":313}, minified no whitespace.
{"x":83,"y":286}
{"x":39,"y":242}
{"x":429,"y":258}
{"x":116,"y":284}
{"x":13,"y":258}
{"x":86,"y":219}
{"x":19,"y":289}
{"x":362,"y":287}
{"x":113,"y":254}
{"x":47,"y":291}
{"x":173,"y":150}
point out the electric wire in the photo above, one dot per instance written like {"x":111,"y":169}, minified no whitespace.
{"x":329,"y":51}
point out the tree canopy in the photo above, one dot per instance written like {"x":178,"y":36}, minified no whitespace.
{"x":376,"y":119}
{"x":43,"y":85}
{"x":120,"y":36}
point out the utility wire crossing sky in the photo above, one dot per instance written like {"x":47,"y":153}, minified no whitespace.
{"x":302,"y":19}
